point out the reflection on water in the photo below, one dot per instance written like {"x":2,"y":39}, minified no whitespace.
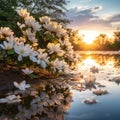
{"x":94,"y":89}
{"x":101,"y":59}
{"x":106,"y":69}
{"x":48,"y":100}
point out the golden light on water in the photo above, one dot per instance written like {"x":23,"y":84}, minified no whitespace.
{"x":89,"y":62}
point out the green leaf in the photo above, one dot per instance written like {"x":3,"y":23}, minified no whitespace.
{"x":1,"y":56}
{"x":10,"y":52}
{"x":33,"y":76}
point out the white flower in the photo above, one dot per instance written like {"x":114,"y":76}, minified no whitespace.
{"x":60,"y":31}
{"x":115,"y":78}
{"x":94,"y":69}
{"x":51,"y":26}
{"x":20,"y":25}
{"x":3,"y":100}
{"x":29,"y":18}
{"x":66,"y":41}
{"x":22,"y":85}
{"x":44,"y":19}
{"x":19,"y":40}
{"x":23,"y":13}
{"x":100,"y":92}
{"x":33,"y":55}
{"x":22,"y":50}
{"x":89,"y":80}
{"x":32,"y":23}
{"x":71,"y":56}
{"x":55,"y":48}
{"x":10,"y":99}
{"x":90,"y":101}
{"x":31,"y":35}
{"x":13,"y":98}
{"x":67,"y":45}
{"x":27,"y":71}
{"x":7,"y":45}
{"x":59,"y":65}
{"x":43,"y":64}
{"x":42,"y":59}
{"x":6,"y":31}
{"x":54,"y":27}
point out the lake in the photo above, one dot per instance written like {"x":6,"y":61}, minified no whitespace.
{"x":68,"y":97}
{"x":108,"y":105}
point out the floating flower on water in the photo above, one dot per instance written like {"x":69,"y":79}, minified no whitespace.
{"x":100,"y":85}
{"x":23,"y":113}
{"x":94,"y":69}
{"x":89,"y":80}
{"x":116,"y":79}
{"x":27,"y":71}
{"x":13,"y":98}
{"x":90,"y":101}
{"x":22,"y":85}
{"x":10,"y":99}
{"x":100,"y":92}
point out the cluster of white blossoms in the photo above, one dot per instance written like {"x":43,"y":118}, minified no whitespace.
{"x":56,"y":53}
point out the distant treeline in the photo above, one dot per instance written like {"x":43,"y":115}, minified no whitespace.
{"x":101,"y":42}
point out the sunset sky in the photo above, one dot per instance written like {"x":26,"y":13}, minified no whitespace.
{"x":92,"y":17}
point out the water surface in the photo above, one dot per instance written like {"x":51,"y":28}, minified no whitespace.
{"x":108,"y":105}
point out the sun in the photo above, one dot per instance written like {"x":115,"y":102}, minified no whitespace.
{"x":89,"y":36}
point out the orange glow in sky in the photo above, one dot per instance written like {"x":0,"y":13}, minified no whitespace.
{"x":89,"y":36}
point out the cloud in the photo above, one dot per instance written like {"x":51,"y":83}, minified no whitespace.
{"x":115,"y":23}
{"x":115,"y":18}
{"x":85,"y":0}
{"x":97,"y":8}
{"x":83,"y":17}
{"x":104,"y":17}
{"x":111,"y":20}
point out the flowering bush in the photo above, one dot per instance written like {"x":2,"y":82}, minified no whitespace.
{"x":44,"y":44}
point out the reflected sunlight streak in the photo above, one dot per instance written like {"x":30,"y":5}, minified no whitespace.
{"x":86,"y":64}
{"x":89,"y":62}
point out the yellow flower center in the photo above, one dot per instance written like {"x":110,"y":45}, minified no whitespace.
{"x":22,"y":51}
{"x":8,"y":47}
